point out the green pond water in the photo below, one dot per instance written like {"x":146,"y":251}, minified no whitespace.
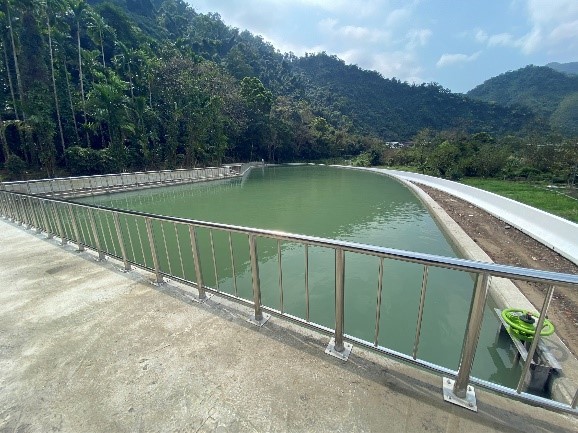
{"x":326,"y":202}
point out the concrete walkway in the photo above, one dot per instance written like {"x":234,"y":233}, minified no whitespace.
{"x":557,"y":233}
{"x":87,"y":348}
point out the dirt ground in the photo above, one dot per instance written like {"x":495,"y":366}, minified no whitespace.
{"x":509,"y":246}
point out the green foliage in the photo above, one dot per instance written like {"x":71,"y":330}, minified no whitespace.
{"x":365,"y":159}
{"x":565,"y":118}
{"x":392,"y":110}
{"x":96,"y":86}
{"x":86,"y":161}
{"x":554,"y":200}
{"x":541,"y":89}
{"x":15,"y":168}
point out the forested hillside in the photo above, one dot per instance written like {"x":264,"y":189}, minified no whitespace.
{"x":109,"y":85}
{"x":550,"y":94}
{"x":395,"y":110}
{"x":566,"y":68}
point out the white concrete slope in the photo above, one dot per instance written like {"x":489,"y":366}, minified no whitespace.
{"x":557,"y":233}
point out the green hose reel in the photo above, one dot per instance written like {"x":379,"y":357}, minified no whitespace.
{"x":522,"y":324}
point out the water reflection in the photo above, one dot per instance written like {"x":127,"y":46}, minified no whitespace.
{"x":326,"y":202}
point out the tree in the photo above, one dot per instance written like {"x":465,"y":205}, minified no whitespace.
{"x":7,"y":68}
{"x":14,"y":52}
{"x":108,"y":105}
{"x":78,"y":9}
{"x":565,"y":118}
{"x":444,"y":160}
{"x":50,"y":6}
{"x":259,"y":101}
{"x":422,"y":145}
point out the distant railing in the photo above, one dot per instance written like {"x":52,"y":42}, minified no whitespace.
{"x":89,"y":185}
{"x":142,"y":240}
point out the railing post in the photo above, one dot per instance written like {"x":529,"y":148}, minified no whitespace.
{"x":20,"y":211}
{"x":197,"y":260}
{"x":17,"y":211}
{"x":34,"y":214}
{"x":59,"y":224}
{"x":458,"y":391}
{"x":120,"y":238}
{"x":259,"y":318}
{"x":28,"y":211}
{"x":420,"y":310}
{"x":337,"y":347}
{"x":339,"y":298}
{"x":44,"y":217}
{"x":79,"y":240}
{"x":3,"y":204}
{"x":158,"y":276}
{"x":95,"y":234}
{"x":45,"y":214}
{"x":536,"y":339}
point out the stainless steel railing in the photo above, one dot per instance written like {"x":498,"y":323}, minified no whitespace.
{"x":141,"y":240}
{"x":121,"y":181}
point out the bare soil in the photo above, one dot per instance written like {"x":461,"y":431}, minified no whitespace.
{"x":507,"y":245}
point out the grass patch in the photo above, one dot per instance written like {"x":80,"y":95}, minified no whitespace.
{"x":556,"y":201}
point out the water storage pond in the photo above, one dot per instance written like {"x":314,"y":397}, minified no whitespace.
{"x":333,"y":203}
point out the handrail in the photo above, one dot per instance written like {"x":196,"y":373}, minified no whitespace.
{"x":139,"y":239}
{"x":90,"y":184}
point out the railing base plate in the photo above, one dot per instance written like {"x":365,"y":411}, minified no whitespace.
{"x":469,"y":401}
{"x":261,"y":322}
{"x":162,"y":282}
{"x":195,"y":298}
{"x":344,"y":355}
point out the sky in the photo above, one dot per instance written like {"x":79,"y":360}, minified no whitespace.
{"x":456,"y":43}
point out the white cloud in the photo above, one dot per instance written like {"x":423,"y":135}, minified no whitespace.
{"x":361,"y":8}
{"x":481,"y":36}
{"x":503,"y":39}
{"x":418,"y":38}
{"x":397,"y":17}
{"x":452,"y":59}
{"x":553,"y":26}
{"x":565,"y":31}
{"x":399,"y":64}
{"x":349,"y":32}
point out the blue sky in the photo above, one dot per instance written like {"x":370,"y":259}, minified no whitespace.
{"x":458,"y":44}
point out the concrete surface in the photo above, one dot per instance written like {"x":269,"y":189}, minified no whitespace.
{"x":87,"y":348}
{"x":557,"y":233}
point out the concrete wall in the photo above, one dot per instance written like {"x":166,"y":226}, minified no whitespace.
{"x":556,"y":233}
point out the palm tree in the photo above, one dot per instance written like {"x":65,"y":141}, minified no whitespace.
{"x":9,"y":74}
{"x":47,"y":7}
{"x":78,"y":7}
{"x":99,"y":26}
{"x":15,"y":56}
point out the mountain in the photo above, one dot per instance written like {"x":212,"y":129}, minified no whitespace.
{"x":550,"y":94}
{"x":92,"y":86}
{"x":392,"y":109}
{"x":345,"y":95}
{"x":566,"y":68}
